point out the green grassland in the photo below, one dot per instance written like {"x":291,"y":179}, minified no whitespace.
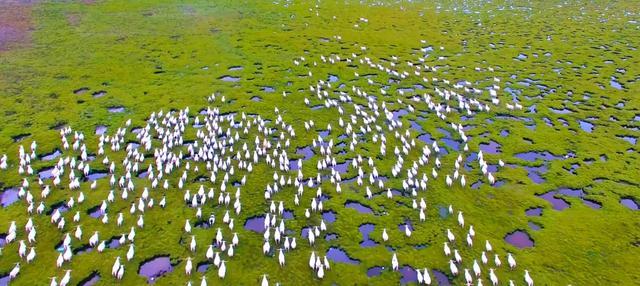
{"x":167,"y":55}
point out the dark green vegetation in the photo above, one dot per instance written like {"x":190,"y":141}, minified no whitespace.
{"x":84,"y":58}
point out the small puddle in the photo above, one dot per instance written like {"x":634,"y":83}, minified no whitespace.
{"x":330,"y":236}
{"x":46,"y":173}
{"x":255,"y":224}
{"x":9,"y":196}
{"x":155,"y":268}
{"x":358,"y":207}
{"x":443,"y":212}
{"x":113,"y":243}
{"x":287,"y":214}
{"x":340,"y":256}
{"x":342,"y":168}
{"x":99,"y":94}
{"x":615,"y":84}
{"x":560,"y":111}
{"x":426,"y":138}
{"x":557,"y":203}
{"x":20,"y":137}
{"x":443,"y":279}
{"x":519,"y":239}
{"x":592,"y":204}
{"x":365,"y":230}
{"x":51,"y":156}
{"x":532,"y":156}
{"x":537,"y":211}
{"x":535,"y":173}
{"x":452,"y":144}
{"x":306,"y":151}
{"x":586,"y":126}
{"x":375,"y":271}
{"x":407,"y":223}
{"x":203,"y":266}
{"x":629,"y":203}
{"x":399,"y":113}
{"x":490,"y":148}
{"x":229,"y":78}
{"x":409,"y":275}
{"x":116,"y":109}
{"x":268,"y":89}
{"x":329,"y":216}
{"x":631,"y":139}
{"x":534,"y":226}
{"x":95,"y":212}
{"x":415,"y":126}
{"x":91,"y":279}
{"x":579,"y":193}
{"x":81,"y":90}
{"x":96,"y":176}
{"x":101,"y":129}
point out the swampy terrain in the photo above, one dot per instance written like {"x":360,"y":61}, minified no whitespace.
{"x":319,"y":142}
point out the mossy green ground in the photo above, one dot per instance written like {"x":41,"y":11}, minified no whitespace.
{"x":151,"y":55}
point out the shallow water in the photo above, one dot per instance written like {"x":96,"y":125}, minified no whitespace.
{"x":365,"y":230}
{"x":592,"y":204}
{"x":99,"y":94}
{"x":375,"y":271}
{"x":534,"y":226}
{"x":557,"y":203}
{"x":46,"y":173}
{"x":532,"y":156}
{"x":90,"y":280}
{"x":306,"y":151}
{"x":519,"y":239}
{"x":229,"y":78}
{"x":534,"y":211}
{"x":397,"y":114}
{"x":51,"y":156}
{"x":535,"y":173}
{"x":96,"y":176}
{"x":4,"y":280}
{"x":155,"y":268}
{"x":255,"y":224}
{"x":631,"y":139}
{"x":409,"y":275}
{"x":490,"y":148}
{"x":340,"y":256}
{"x":101,"y":129}
{"x":615,"y":84}
{"x":629,"y":203}
{"x":560,"y":111}
{"x":9,"y":196}
{"x":586,"y":126}
{"x":329,"y":216}
{"x":116,"y":109}
{"x":359,"y":207}
{"x":443,"y":212}
{"x":203,"y":266}
{"x":443,"y":279}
